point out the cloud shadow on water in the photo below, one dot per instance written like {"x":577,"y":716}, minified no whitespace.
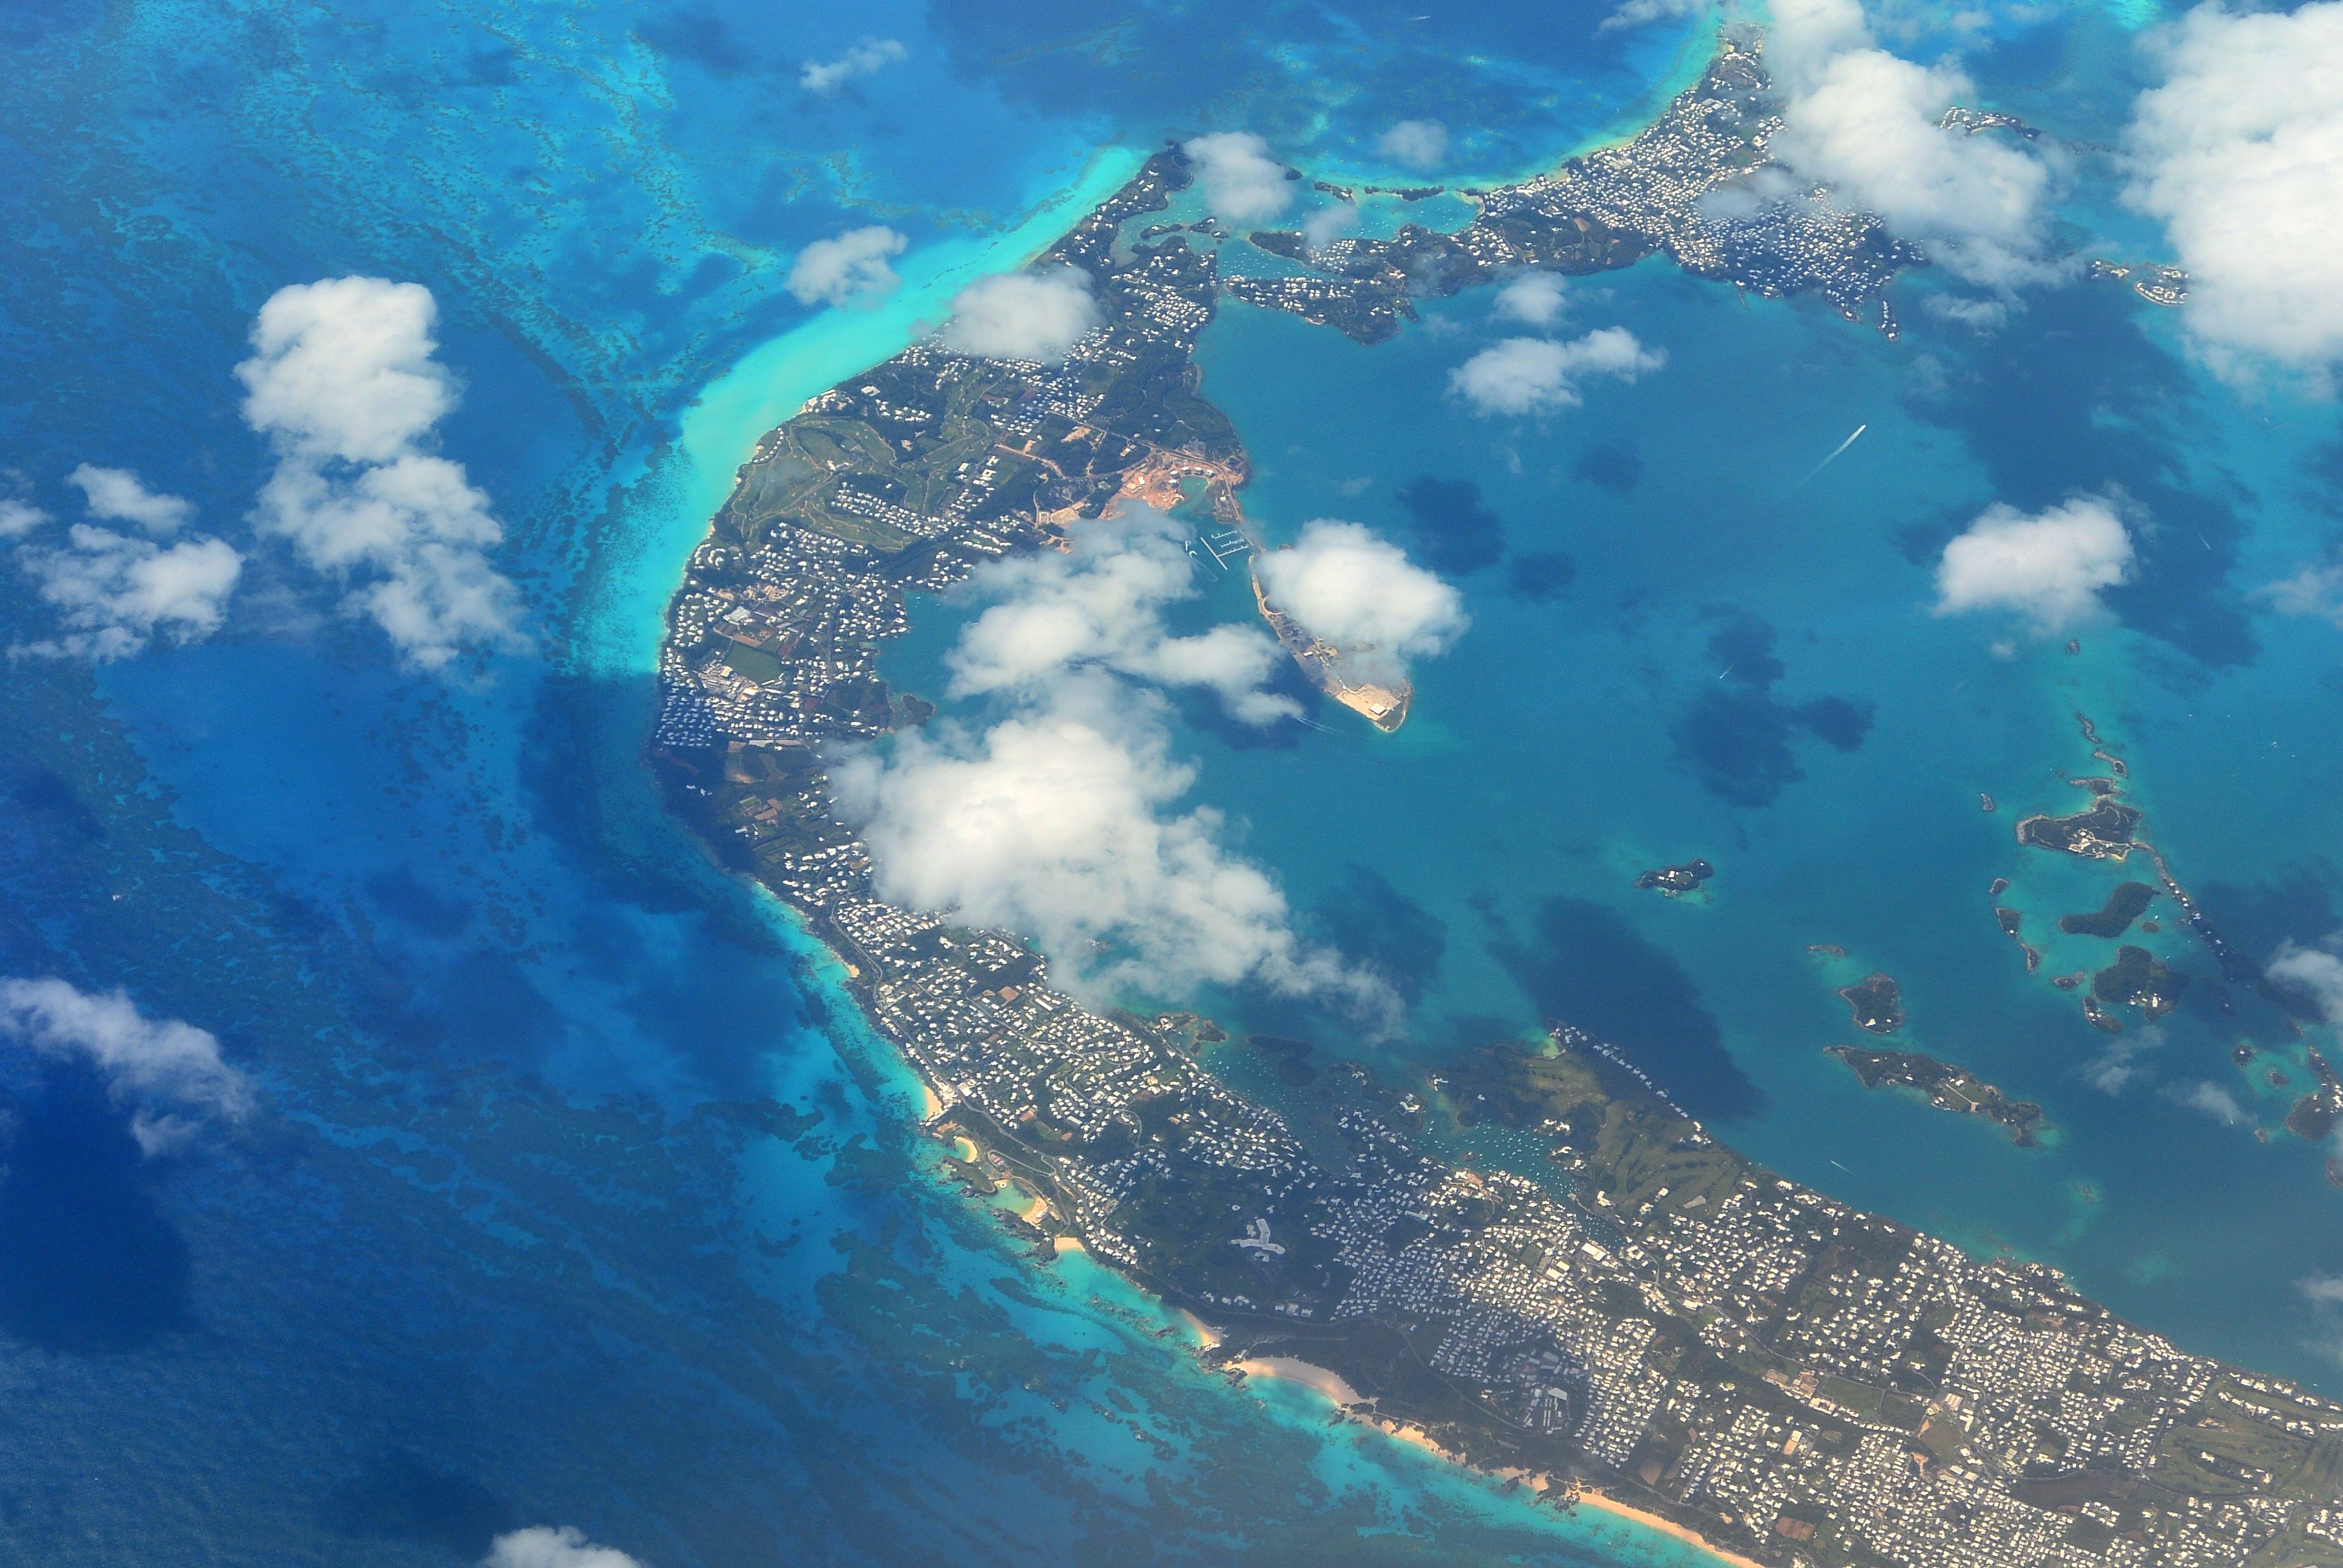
{"x":399,"y":1497}
{"x":1450,"y":528}
{"x":92,"y":1264}
{"x":1379,"y":927}
{"x":1740,"y":739}
{"x":1582,"y":964}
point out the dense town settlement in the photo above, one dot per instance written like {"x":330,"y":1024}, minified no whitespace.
{"x":1631,"y":1308}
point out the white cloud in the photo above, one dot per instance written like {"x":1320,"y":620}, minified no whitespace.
{"x":2316,"y":590}
{"x":1538,"y":374}
{"x":2212,"y":1100}
{"x":116,"y":494}
{"x":1418,"y":144}
{"x":543,"y":1546}
{"x":170,"y":1072}
{"x":1642,"y":13}
{"x":1023,"y":315}
{"x":1979,"y":315}
{"x":1536,"y":299}
{"x":344,"y":384}
{"x":1064,"y":821}
{"x":1360,"y":592}
{"x":1329,"y":224}
{"x":1241,"y":183}
{"x":2326,"y":1290}
{"x":870,"y":55}
{"x":2240,"y":154}
{"x":18,"y":518}
{"x":2313,"y":970}
{"x":343,"y":369}
{"x":1863,"y":122}
{"x":118,"y":592}
{"x":2117,"y":1063}
{"x":2049,"y":567}
{"x":1099,"y":605}
{"x":849,"y":267}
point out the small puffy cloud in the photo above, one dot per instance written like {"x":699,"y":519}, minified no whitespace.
{"x":344,"y":383}
{"x":1979,"y":315}
{"x":1099,"y":604}
{"x":1538,"y":374}
{"x":117,"y":592}
{"x":1023,"y":315}
{"x":18,"y":518}
{"x":1064,"y":821}
{"x":853,"y":266}
{"x":1535,"y":298}
{"x":1418,"y":144}
{"x":170,"y":1073}
{"x":870,"y":55}
{"x":2240,"y":154}
{"x":2119,"y":1062}
{"x":116,"y":494}
{"x":544,"y":1546}
{"x":1329,"y":224}
{"x":1241,"y":183}
{"x":2211,"y":1098}
{"x":1643,"y":13}
{"x":1360,"y":592}
{"x":343,"y":368}
{"x":2326,"y":1290}
{"x":2316,"y":590}
{"x":2315,"y":971}
{"x":2049,"y":567}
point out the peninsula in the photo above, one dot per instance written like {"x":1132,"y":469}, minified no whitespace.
{"x":1627,"y":1303}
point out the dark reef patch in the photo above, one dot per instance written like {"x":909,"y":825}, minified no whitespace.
{"x":402,"y":894}
{"x":1582,"y":964}
{"x":1453,"y":530}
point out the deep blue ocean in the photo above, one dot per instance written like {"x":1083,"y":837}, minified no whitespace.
{"x":518,"y":1235}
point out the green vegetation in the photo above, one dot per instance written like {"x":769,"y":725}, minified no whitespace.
{"x":2125,"y":904}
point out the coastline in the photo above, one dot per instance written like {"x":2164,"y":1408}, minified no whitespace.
{"x":763,"y":390}
{"x":1605,"y":1503}
{"x":693,"y":475}
{"x":1331,"y":1385}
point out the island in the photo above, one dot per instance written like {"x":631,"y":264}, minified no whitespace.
{"x":1947,"y":1086}
{"x":2126,"y":903}
{"x":2138,"y":978}
{"x":1620,"y":1303}
{"x":1876,"y":1004}
{"x":1674,"y":881}
{"x":2102,"y":831}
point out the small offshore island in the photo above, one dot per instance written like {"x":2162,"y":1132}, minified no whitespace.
{"x":1642,"y":1311}
{"x":1947,"y":1086}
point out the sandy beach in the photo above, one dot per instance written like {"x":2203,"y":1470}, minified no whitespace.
{"x":1326,"y":1383}
{"x":1666,"y":1527}
{"x":1289,"y":1370}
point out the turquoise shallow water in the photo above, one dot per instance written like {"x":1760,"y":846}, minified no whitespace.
{"x":519,"y":1234}
{"x":1567,"y":742}
{"x":573,"y":1198}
